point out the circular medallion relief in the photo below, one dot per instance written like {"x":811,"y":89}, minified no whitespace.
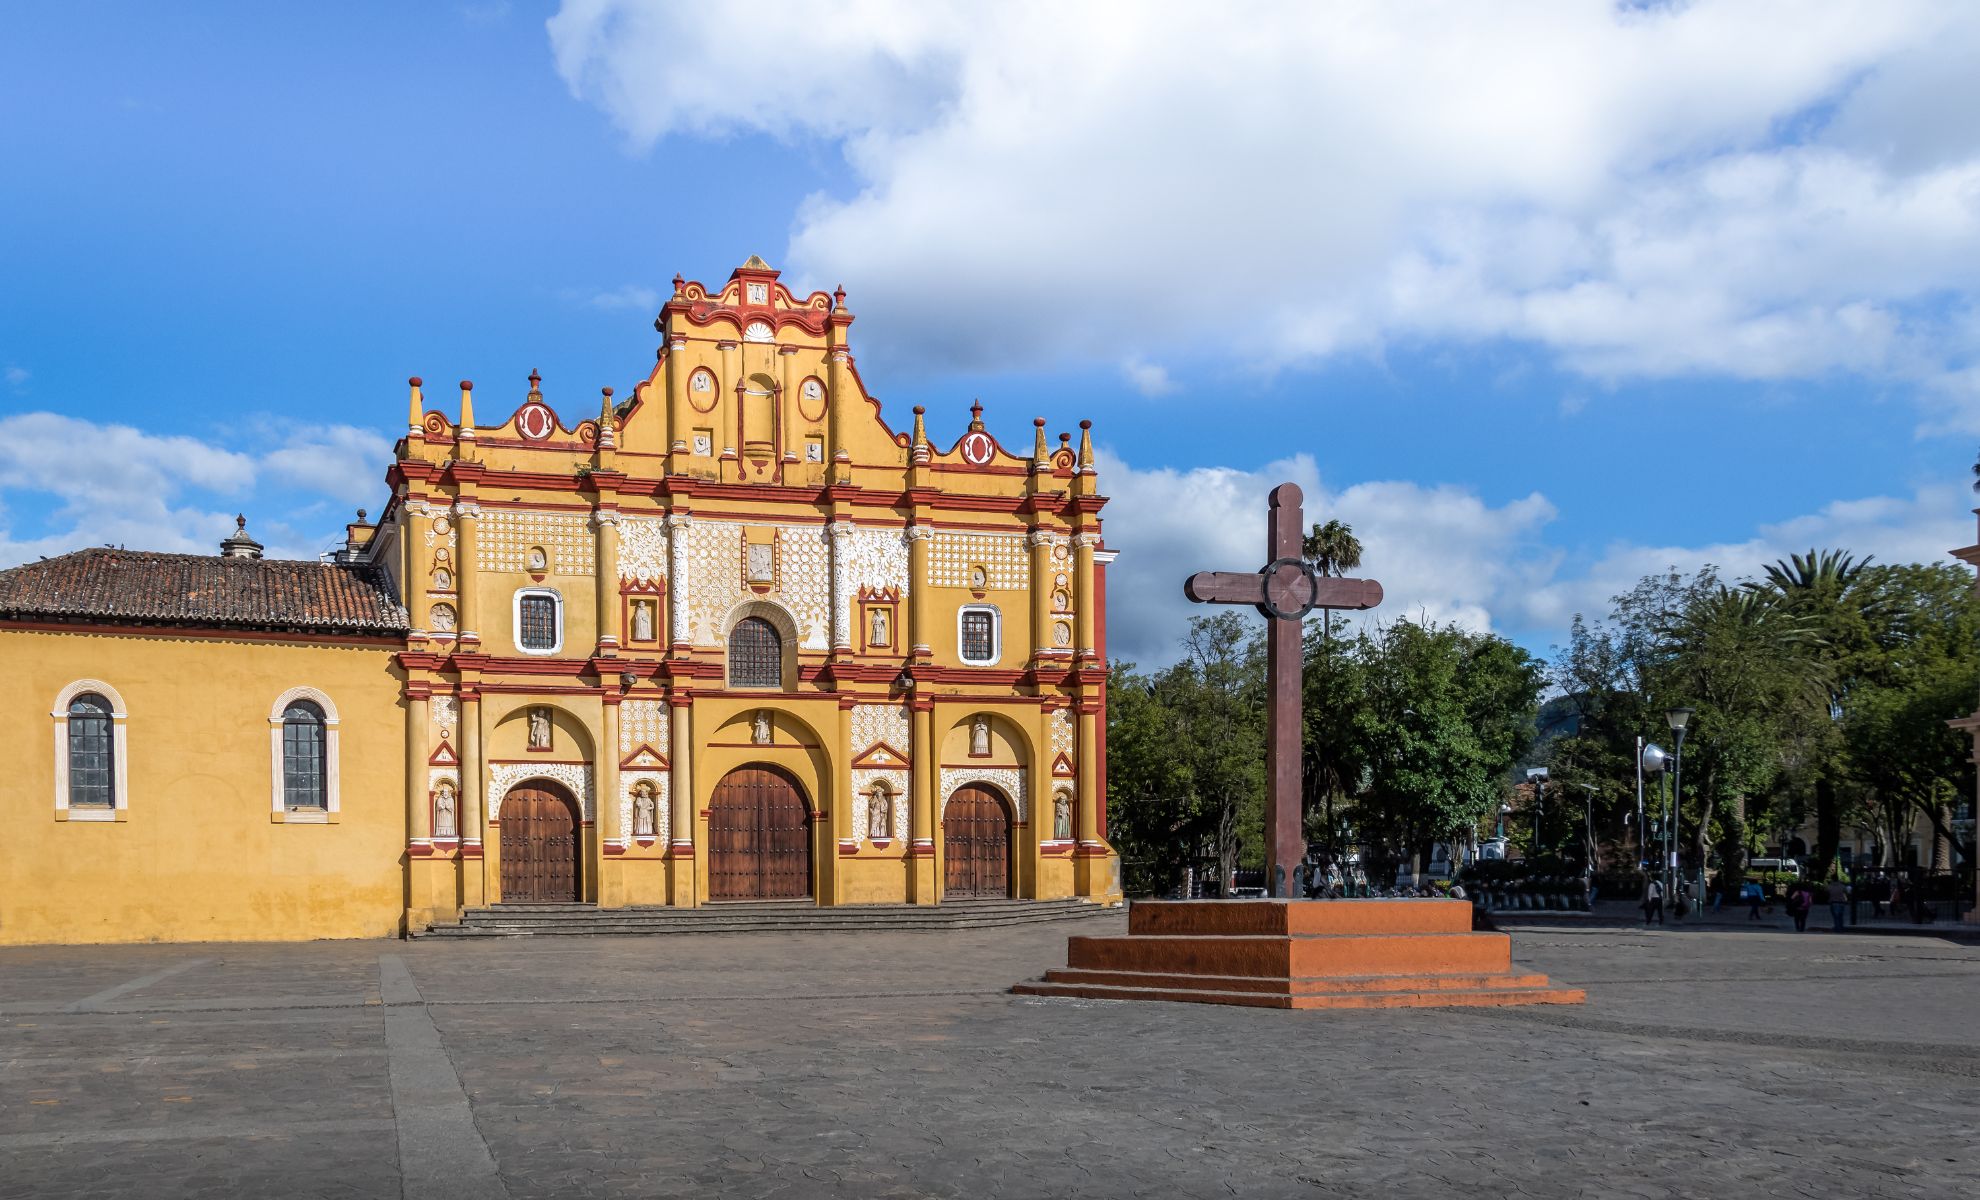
{"x":811,"y":400}
{"x":535,"y":421}
{"x":701,"y":390}
{"x":441,"y":525}
{"x":1061,"y":634}
{"x":977,"y":448}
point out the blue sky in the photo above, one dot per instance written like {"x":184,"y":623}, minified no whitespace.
{"x":1538,"y":300}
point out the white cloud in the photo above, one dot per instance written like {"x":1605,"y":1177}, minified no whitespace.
{"x":173,"y":492}
{"x":1441,"y":552}
{"x":15,"y":378}
{"x":1148,"y":378}
{"x":1767,"y":190}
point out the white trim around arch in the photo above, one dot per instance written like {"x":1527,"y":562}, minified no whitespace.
{"x":303,"y":816}
{"x":119,"y":758}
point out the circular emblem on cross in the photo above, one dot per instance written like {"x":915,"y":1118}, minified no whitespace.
{"x":535,"y":421}
{"x":977,"y":448}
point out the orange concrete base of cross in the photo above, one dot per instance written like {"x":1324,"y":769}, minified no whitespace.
{"x":1300,"y":954}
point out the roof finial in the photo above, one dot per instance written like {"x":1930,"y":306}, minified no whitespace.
{"x":976,"y":416}
{"x":415,"y":408}
{"x":467,"y":408}
{"x":1041,"y":455}
{"x":1086,"y":446}
{"x":839,"y":297}
{"x":239,"y":544}
{"x":535,"y":385}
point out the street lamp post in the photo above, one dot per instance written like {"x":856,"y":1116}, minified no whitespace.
{"x":1537,"y":776}
{"x":1649,"y":757}
{"x":1678,"y":718}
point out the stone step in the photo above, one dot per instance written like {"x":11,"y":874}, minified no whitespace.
{"x":1321,"y":985}
{"x":1419,"y":998}
{"x":584,"y":920}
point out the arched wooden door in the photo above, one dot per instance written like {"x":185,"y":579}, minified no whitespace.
{"x":759,"y":837}
{"x":539,"y":844}
{"x":976,"y":844}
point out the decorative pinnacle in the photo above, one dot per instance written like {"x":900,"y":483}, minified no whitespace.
{"x":1086,"y":445}
{"x":415,"y":407}
{"x":1039,"y":453}
{"x":920,"y":429}
{"x":679,"y":283}
{"x":467,"y":408}
{"x":839,"y":296}
{"x":976,"y":416}
{"x":535,"y":383}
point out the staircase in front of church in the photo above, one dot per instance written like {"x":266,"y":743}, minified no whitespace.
{"x":758,"y":916}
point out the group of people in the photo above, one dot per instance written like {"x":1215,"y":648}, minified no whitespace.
{"x":1800,"y":901}
{"x":1323,"y":879}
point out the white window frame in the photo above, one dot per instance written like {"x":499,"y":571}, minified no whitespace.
{"x":303,"y":816}
{"x":119,"y":768}
{"x":515,"y":619}
{"x":996,"y":635}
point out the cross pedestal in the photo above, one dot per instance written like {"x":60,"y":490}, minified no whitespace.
{"x":1286,"y":590}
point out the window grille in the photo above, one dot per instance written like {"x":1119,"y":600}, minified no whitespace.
{"x":92,"y":765}
{"x":302,"y":756}
{"x":756,"y":654}
{"x":539,"y":623}
{"x":979,"y":642}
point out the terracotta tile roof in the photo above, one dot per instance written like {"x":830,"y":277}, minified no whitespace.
{"x":142,"y":587}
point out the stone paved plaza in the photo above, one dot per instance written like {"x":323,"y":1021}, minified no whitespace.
{"x":1713,"y":1061}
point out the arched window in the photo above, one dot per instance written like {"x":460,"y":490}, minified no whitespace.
{"x":303,"y":756}
{"x":92,"y":753}
{"x":91,"y":757}
{"x":756,"y":654}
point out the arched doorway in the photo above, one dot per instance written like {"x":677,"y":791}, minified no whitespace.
{"x":539,"y":844}
{"x":759,"y":837}
{"x":976,"y":844}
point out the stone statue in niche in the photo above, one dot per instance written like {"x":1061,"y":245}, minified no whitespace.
{"x":978,"y":579}
{"x":642,"y":621}
{"x":1062,"y":816}
{"x":880,"y":814}
{"x":979,"y":738}
{"x":539,"y":729}
{"x":444,"y":806}
{"x":759,"y":733}
{"x":537,"y":559}
{"x":1060,"y":601}
{"x":877,"y":627}
{"x":643,"y":807}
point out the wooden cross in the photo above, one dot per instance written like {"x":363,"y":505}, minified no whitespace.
{"x":1286,"y":590}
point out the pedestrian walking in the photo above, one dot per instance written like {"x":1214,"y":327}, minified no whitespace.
{"x":1653,"y":902}
{"x":1838,"y":901}
{"x":1800,"y":900}
{"x":1753,"y":894}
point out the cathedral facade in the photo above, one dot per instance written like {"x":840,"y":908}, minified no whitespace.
{"x":732,"y":637}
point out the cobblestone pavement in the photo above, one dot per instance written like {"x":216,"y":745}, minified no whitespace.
{"x":1715,"y":1061}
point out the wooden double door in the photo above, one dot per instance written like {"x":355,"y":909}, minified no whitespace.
{"x":976,"y":845}
{"x":759,"y":837}
{"x":539,"y":844}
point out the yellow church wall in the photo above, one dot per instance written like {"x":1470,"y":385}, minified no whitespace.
{"x":723,"y":742}
{"x":198,"y":854}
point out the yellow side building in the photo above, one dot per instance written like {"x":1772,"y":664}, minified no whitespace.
{"x":731,"y":636}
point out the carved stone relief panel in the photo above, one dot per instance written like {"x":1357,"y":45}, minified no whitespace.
{"x":979,"y":561}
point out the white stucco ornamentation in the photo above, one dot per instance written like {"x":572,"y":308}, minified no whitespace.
{"x":642,"y":549}
{"x":1000,"y":554}
{"x":643,"y":722}
{"x":505,"y":536}
{"x":873,"y":723}
{"x":877,"y":558}
{"x":628,"y":780}
{"x":708,"y":580}
{"x":1062,"y":730}
{"x":503,"y":776}
{"x":1008,"y":780}
{"x":897,"y":783}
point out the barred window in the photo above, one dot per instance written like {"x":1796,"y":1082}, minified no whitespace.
{"x":302,"y":756}
{"x":756,"y":654}
{"x":538,"y":623}
{"x":979,"y":635}
{"x":92,"y":753}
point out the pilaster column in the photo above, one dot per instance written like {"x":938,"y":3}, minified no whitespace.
{"x":467,"y":570}
{"x":473,"y":773}
{"x":1084,"y":644}
{"x":606,"y":521}
{"x":610,"y":831}
{"x":416,"y":565}
{"x":677,"y":614}
{"x":921,"y":539}
{"x":841,"y":532}
{"x":419,"y":812}
{"x":923,"y":782}
{"x":789,"y":420}
{"x":1086,"y":807}
{"x":1040,"y":542}
{"x":839,"y":403}
{"x":728,"y":407}
{"x":678,"y":412}
{"x":680,"y":786}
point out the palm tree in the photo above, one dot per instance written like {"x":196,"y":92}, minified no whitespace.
{"x":1335,"y":550}
{"x":1976,"y":475}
